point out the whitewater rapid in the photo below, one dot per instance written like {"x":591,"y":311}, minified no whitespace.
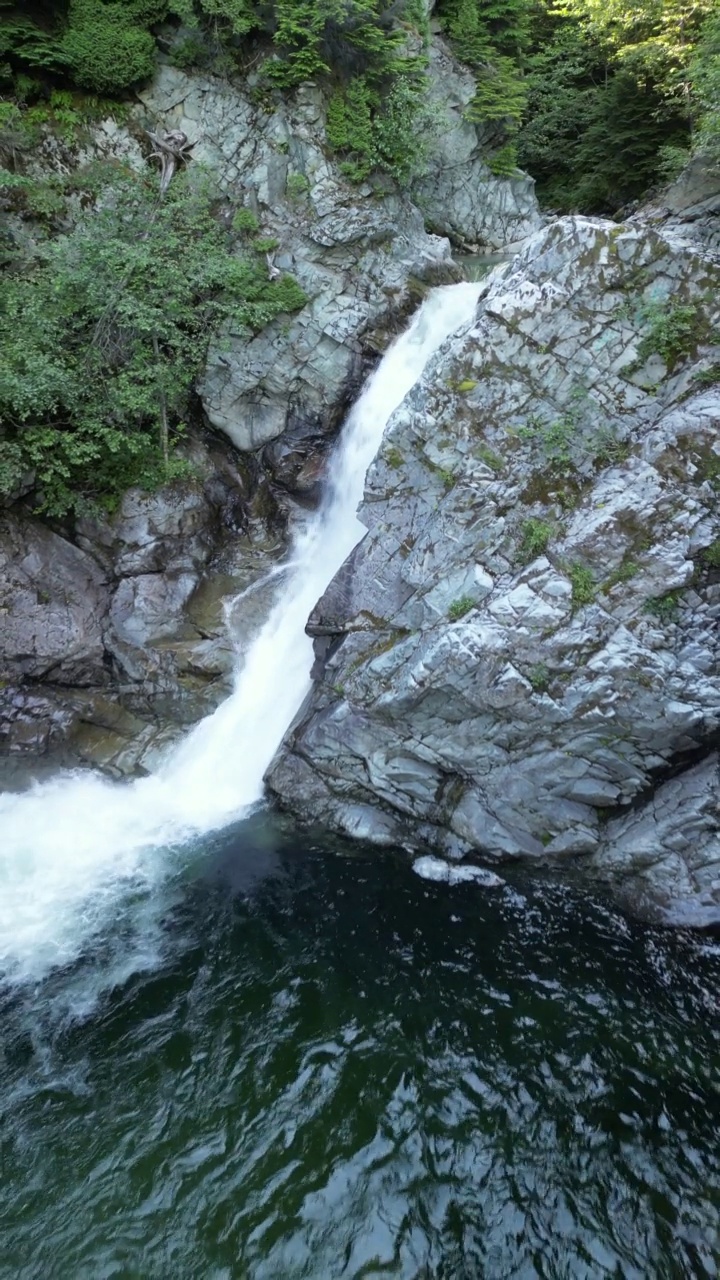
{"x":72,"y":849}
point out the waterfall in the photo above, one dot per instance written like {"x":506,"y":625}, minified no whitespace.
{"x":72,"y":848}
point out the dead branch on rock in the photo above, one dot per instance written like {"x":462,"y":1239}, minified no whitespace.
{"x":171,"y":149}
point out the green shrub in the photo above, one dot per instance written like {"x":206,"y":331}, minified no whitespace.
{"x":539,"y":677}
{"x":672,"y":332}
{"x":554,"y":439}
{"x":534,"y":538}
{"x":266,"y":244}
{"x":104,"y":48}
{"x":460,"y":607}
{"x":245,"y":222}
{"x":105,"y":335}
{"x":373,"y":128}
{"x":583,"y":585}
{"x":665,"y":608}
{"x":297,"y":186}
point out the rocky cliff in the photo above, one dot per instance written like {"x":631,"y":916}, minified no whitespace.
{"x":521,"y":658}
{"x":114,"y":633}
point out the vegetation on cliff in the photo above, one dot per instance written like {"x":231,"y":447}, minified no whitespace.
{"x":104,"y":331}
{"x":598,"y":99}
{"x":105,"y":319}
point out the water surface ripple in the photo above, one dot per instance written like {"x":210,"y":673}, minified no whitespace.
{"x":334,"y":1069}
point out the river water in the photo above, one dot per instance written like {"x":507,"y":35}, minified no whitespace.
{"x":230,"y":1050}
{"x":317,"y":1065}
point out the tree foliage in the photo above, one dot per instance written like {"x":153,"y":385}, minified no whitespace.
{"x":106,"y":333}
{"x":599,"y":97}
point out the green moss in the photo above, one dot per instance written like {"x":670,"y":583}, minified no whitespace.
{"x":485,"y":454}
{"x":394,"y":458}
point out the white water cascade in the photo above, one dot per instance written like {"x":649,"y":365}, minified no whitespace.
{"x":71,"y":848}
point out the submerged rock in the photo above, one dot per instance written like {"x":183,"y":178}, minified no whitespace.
{"x":429,"y":868}
{"x":527,"y":641}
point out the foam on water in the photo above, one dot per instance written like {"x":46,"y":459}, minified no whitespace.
{"x":72,"y":849}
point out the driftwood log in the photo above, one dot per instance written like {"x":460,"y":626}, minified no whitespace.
{"x":171,"y":149}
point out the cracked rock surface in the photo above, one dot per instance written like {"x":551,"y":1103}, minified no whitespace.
{"x":526,"y":642}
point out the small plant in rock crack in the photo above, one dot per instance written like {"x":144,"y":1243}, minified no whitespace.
{"x":534,"y":538}
{"x":539,"y":677}
{"x":460,"y":607}
{"x":624,"y":572}
{"x":671,"y":332}
{"x":583,"y":585}
{"x":665,"y":608}
{"x":710,"y":556}
{"x":297,"y":186}
{"x":554,"y":439}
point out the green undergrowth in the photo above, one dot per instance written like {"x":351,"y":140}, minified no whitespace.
{"x":105,"y":332}
{"x":369,"y":55}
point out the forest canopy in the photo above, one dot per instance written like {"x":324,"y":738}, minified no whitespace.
{"x":597,"y":99}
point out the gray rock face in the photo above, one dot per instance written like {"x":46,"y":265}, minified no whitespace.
{"x":355,"y":250}
{"x":352,"y":250}
{"x":672,"y":845}
{"x":54,"y":600}
{"x":689,"y":209}
{"x":460,"y":196}
{"x":527,"y":637}
{"x":110,"y":646}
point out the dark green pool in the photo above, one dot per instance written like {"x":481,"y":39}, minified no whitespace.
{"x":321,"y":1066}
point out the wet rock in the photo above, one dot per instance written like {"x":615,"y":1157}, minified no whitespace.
{"x":668,"y":849}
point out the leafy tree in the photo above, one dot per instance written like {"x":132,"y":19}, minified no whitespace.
{"x":705,"y":85}
{"x":105,"y":335}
